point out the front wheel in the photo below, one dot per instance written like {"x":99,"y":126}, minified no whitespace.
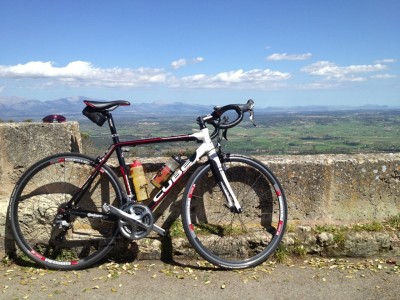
{"x":230,"y":239}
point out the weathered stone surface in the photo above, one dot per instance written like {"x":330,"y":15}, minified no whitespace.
{"x":23,"y":144}
{"x":325,"y":239}
{"x":354,"y":244}
{"x":339,"y":188}
{"x":365,"y":244}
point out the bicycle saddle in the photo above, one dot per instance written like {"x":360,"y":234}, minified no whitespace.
{"x":104,"y":105}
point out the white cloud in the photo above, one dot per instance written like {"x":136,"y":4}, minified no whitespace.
{"x":184,"y":62}
{"x":386,"y":61}
{"x":84,"y":74}
{"x":38,"y":69}
{"x":256,"y":78}
{"x":81,"y":73}
{"x":198,"y":59}
{"x":285,"y":56}
{"x":317,"y":85}
{"x":332,"y":71}
{"x":179,"y":63}
{"x":383,"y":76}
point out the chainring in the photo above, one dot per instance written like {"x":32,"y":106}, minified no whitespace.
{"x":140,"y":213}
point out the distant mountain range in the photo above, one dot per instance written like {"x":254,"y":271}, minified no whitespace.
{"x":19,"y":108}
{"x":16,"y":108}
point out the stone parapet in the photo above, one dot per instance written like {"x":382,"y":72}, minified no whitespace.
{"x":335,"y":190}
{"x":339,"y":188}
{"x":22,"y":144}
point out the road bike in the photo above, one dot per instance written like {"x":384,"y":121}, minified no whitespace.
{"x":68,"y":210}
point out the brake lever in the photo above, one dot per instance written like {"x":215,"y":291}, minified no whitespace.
{"x":224,"y":134}
{"x":251,"y":112}
{"x":225,"y":120}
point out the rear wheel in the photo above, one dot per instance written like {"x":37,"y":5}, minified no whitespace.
{"x":56,"y":236}
{"x":229,"y":239}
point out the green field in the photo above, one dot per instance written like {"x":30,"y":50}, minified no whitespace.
{"x":361,"y":131}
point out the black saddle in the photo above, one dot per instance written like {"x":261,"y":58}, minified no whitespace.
{"x":106,"y":105}
{"x":97,"y":111}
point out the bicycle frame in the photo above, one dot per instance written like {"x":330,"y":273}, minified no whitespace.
{"x":206,"y":148}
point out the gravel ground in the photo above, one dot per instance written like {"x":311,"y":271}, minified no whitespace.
{"x":305,"y":278}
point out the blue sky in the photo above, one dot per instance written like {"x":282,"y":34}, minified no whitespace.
{"x":280,"y":53}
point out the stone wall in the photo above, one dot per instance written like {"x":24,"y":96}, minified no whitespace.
{"x":339,"y":188}
{"x":21,"y":145}
{"x":321,"y":189}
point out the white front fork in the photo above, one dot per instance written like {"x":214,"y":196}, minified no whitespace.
{"x":208,"y":147}
{"x":233,"y":203}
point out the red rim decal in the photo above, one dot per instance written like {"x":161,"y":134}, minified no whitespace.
{"x":38,"y":255}
{"x":191,"y":191}
{"x":278,"y":232}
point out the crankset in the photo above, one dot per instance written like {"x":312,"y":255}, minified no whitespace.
{"x":135,"y":230}
{"x":135,"y":220}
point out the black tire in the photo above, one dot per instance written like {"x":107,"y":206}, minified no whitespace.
{"x":62,"y":241}
{"x":228,"y":239}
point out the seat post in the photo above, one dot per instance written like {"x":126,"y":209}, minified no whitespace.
{"x":115,"y":138}
{"x":113,"y":129}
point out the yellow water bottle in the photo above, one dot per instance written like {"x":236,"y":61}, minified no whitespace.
{"x":139,"y":181}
